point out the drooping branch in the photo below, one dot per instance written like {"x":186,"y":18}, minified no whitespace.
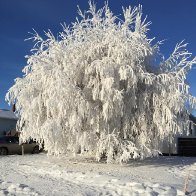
{"x":95,"y":89}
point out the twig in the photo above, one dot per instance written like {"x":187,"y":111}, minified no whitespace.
{"x":186,"y":183}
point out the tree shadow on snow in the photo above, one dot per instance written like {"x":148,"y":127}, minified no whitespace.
{"x":192,"y":192}
{"x":163,"y":161}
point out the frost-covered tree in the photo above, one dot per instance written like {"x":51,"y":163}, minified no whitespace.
{"x":99,"y":88}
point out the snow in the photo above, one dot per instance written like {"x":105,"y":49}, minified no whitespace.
{"x":43,"y":175}
{"x":6,"y":114}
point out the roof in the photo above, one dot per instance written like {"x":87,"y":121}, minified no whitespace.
{"x":7,"y":114}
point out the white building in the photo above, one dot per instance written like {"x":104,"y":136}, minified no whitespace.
{"x":8,"y":121}
{"x":182,"y":144}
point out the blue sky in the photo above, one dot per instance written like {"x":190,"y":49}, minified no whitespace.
{"x":173,"y":20}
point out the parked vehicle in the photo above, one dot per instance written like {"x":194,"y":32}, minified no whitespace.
{"x":10,"y":145}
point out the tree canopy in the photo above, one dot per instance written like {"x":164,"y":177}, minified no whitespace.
{"x":98,"y":88}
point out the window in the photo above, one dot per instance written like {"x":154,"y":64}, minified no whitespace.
{"x":12,"y":140}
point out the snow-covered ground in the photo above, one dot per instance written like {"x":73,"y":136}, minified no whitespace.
{"x":40,"y":175}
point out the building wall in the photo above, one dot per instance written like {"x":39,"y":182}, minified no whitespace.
{"x":193,"y":129}
{"x":7,"y":125}
{"x":170,"y":145}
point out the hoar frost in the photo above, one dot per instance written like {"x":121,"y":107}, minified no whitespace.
{"x":96,"y":89}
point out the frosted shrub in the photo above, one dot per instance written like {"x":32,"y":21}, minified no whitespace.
{"x":97,"y":90}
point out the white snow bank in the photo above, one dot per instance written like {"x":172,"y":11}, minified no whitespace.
{"x":40,"y":175}
{"x":10,"y":188}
